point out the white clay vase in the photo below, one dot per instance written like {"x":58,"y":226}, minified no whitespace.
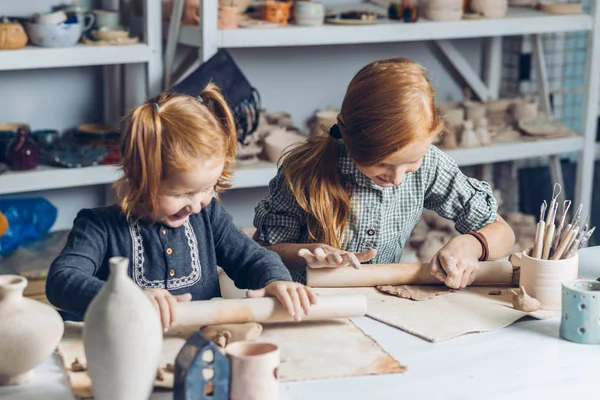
{"x":543,"y":279}
{"x":29,"y":331}
{"x":254,"y":368}
{"x":122,"y":337}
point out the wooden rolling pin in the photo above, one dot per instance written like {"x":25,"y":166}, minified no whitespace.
{"x":499,"y":272}
{"x":266,"y":309}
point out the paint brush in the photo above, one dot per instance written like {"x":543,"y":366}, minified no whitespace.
{"x":549,"y":236}
{"x":538,"y":245}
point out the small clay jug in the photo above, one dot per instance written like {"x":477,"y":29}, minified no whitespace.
{"x":12,"y":35}
{"x":22,"y":153}
{"x":29,"y":331}
{"x":122,"y":338}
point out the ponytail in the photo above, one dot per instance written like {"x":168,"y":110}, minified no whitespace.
{"x":141,"y":155}
{"x":312,"y":175}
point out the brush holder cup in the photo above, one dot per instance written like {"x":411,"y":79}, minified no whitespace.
{"x":580,"y":320}
{"x":543,"y":279}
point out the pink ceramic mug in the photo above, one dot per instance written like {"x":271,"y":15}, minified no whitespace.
{"x":253,"y":370}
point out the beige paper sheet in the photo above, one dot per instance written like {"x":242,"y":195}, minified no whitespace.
{"x":471,"y":310}
{"x":338,"y":347}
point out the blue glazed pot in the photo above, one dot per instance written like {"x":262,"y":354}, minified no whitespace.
{"x":580,"y":321}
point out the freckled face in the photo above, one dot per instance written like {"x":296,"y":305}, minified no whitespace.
{"x":392,"y":170}
{"x":182,"y":194}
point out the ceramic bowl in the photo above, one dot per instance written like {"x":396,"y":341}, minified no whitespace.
{"x":443,"y":14}
{"x":106,"y":33}
{"x":61,"y":35}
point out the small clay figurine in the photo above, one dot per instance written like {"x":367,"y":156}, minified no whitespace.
{"x":76,"y":366}
{"x":523,"y":302}
{"x":469,"y":137}
{"x":482,"y":132}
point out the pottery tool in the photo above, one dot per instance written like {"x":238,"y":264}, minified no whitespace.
{"x":266,"y":309}
{"x":572,"y":249}
{"x":563,"y":245}
{"x":489,"y":273}
{"x":558,"y":232}
{"x":552,"y":208}
{"x":539,"y":233}
{"x":549,"y":235}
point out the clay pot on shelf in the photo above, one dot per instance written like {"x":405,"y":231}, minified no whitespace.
{"x":542,"y":279}
{"x":22,"y":153}
{"x":254,"y":368}
{"x":278,"y":12}
{"x":12,"y":35}
{"x":442,"y":10}
{"x":228,"y":17}
{"x":122,"y":338}
{"x":280,"y":141}
{"x":490,"y":8}
{"x":22,"y":347}
{"x":525,"y":109}
{"x":474,"y":110}
{"x":309,"y":13}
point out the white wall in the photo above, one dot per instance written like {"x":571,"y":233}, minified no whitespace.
{"x":298,"y":80}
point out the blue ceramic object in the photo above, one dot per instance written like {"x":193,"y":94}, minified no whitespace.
{"x":202,"y":372}
{"x":48,"y":35}
{"x":580,"y":321}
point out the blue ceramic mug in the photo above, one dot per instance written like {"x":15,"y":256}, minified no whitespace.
{"x":580,"y":321}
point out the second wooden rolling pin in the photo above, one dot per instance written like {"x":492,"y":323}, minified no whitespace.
{"x":490,"y":273}
{"x":267,"y":309}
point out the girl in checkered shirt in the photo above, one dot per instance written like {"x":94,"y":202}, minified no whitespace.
{"x":356,"y":194}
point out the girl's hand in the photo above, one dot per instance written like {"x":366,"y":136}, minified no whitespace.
{"x":295,"y":298}
{"x":165,"y":304}
{"x":324,"y":256}
{"x":457,"y":262}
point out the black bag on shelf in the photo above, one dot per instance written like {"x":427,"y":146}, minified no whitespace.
{"x":242,"y":98}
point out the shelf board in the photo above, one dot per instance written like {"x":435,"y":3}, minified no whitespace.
{"x":34,"y":57}
{"x":518,"y":21}
{"x":499,"y":152}
{"x":51,"y":178}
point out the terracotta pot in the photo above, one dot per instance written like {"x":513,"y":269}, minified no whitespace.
{"x":23,"y":346}
{"x":490,"y":8}
{"x":542,"y":279}
{"x":253,"y":370}
{"x":12,"y":36}
{"x":228,"y":17}
{"x":278,"y":12}
{"x":122,"y":337}
{"x":580,"y":321}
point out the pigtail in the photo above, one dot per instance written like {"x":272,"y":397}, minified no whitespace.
{"x":311,"y":174}
{"x":212,"y":97}
{"x":141,"y":160}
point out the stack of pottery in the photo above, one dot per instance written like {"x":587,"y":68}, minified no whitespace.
{"x":490,"y":8}
{"x":442,"y":10}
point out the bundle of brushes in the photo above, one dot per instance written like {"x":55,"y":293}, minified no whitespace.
{"x":559,"y":242}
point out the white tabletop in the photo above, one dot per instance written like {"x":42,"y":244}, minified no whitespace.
{"x":526,"y":360}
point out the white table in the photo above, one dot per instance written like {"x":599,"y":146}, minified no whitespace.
{"x":526,"y":360}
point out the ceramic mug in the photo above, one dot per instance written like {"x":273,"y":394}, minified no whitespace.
{"x":107,"y":19}
{"x":580,"y":320}
{"x":254,"y":368}
{"x":543,"y":279}
{"x":84,"y":17}
{"x":308,"y":13}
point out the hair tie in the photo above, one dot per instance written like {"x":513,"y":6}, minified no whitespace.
{"x":156,"y":106}
{"x":335,"y":132}
{"x":200,"y":99}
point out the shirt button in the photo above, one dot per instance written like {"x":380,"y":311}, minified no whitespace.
{"x":163,"y":231}
{"x":169,"y":251}
{"x":371,"y":232}
{"x":172,"y":272}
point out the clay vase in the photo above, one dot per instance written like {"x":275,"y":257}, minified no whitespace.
{"x":253,"y":370}
{"x":122,"y":337}
{"x":490,"y":8}
{"x":22,"y":153}
{"x":30,"y":331}
{"x":580,"y":320}
{"x":542,"y":279}
{"x":12,"y":36}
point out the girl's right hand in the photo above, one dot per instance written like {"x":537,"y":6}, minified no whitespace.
{"x":324,"y":256}
{"x":165,"y":303}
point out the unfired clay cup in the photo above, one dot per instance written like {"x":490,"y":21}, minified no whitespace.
{"x":254,"y":368}
{"x":543,"y":279}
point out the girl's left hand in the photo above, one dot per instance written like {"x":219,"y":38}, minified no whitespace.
{"x":457,"y":262}
{"x":295,"y":298}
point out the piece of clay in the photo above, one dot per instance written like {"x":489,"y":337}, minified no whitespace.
{"x":232,"y":332}
{"x":414,"y":292}
{"x":76,"y":366}
{"x":495,"y":292}
{"x":170,"y":368}
{"x":160,"y":376}
{"x":523,"y":302}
